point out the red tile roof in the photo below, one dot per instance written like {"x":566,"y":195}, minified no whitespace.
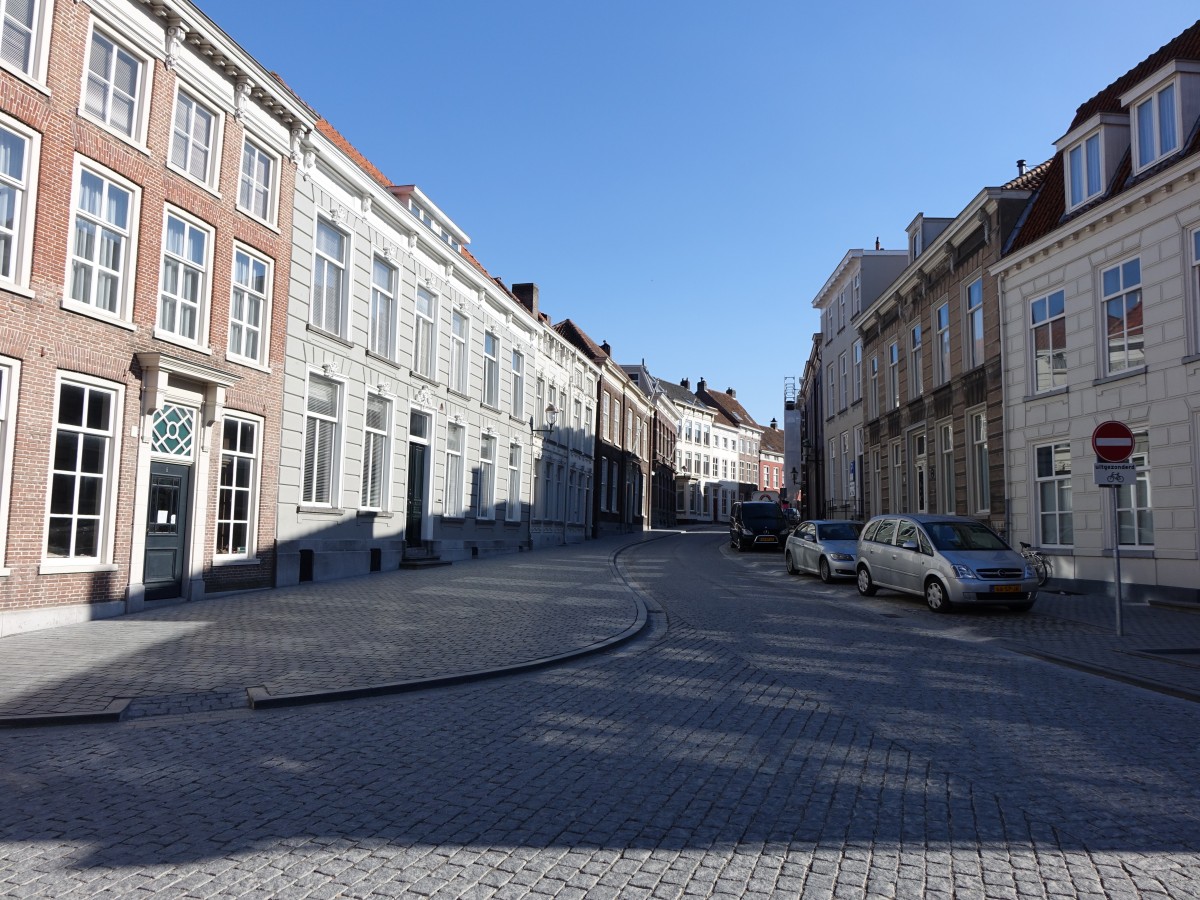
{"x":1049,"y":206}
{"x":577,"y":336}
{"x":338,"y":140}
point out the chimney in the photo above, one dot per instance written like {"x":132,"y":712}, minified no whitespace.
{"x":1020,"y":167}
{"x":774,"y":424}
{"x":527,"y":293}
{"x":877,"y":245}
{"x":606,"y":348}
{"x":731,"y":392}
{"x":685,"y":383}
{"x":701,"y":385}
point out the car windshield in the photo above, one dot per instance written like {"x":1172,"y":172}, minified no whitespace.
{"x":839,"y":531}
{"x":762,"y":516}
{"x":964,"y":536}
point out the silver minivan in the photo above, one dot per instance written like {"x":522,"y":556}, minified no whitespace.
{"x":947,"y":560}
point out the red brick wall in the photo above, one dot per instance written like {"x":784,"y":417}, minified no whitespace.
{"x":47,"y":338}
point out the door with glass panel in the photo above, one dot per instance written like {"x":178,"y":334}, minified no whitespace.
{"x":166,"y":530}
{"x":418,"y":450}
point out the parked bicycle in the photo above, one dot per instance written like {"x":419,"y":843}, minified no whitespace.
{"x":1037,"y":562}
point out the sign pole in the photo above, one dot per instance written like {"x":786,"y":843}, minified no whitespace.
{"x":1114,"y":490}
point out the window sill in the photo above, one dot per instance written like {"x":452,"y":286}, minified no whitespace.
{"x":24,"y":76}
{"x":320,"y":510}
{"x":373,"y":514}
{"x":371,"y":354}
{"x":232,"y":562}
{"x":92,"y":313}
{"x":19,"y":289}
{"x":75,"y":568}
{"x":413,"y":373}
{"x":1130,"y":553}
{"x":336,"y":338}
{"x":1119,"y":376}
{"x":126,"y":139}
{"x":1190,"y":359}
{"x":1047,"y":395}
{"x":203,"y":185}
{"x":247,"y":363}
{"x":169,"y":338}
{"x":257,"y":220}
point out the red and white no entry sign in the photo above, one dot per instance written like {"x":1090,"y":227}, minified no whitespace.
{"x":1112,"y":441}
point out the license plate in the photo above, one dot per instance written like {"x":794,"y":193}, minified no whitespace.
{"x":1006,"y":589}
{"x":768,"y":540}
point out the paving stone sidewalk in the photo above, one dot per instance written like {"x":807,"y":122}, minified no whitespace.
{"x":371,"y":634}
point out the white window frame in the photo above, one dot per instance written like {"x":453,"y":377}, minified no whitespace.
{"x":385,"y":306}
{"x":185,"y":140}
{"x":239,"y":456}
{"x":916,"y":360}
{"x":256,"y":197}
{"x":141,"y":86}
{"x":896,"y":478}
{"x":456,"y":439}
{"x":332,"y":490}
{"x":893,"y":375}
{"x":330,"y":272}
{"x":10,"y":387}
{"x":105,"y":519}
{"x":941,"y":328}
{"x":843,"y":381}
{"x":176,"y":298}
{"x":22,"y":188}
{"x":873,"y":395}
{"x":974,"y":336}
{"x":242,"y":299}
{"x":425,"y":333}
{"x":857,"y":351}
{"x":1195,"y":285}
{"x":830,"y":390}
{"x":1127,"y":284}
{"x":1084,"y":170}
{"x":491,"y":369}
{"x":1135,"y":504}
{"x":1047,"y":316}
{"x":485,"y":507}
{"x":512,"y":512}
{"x":125,"y":276}
{"x":945,"y":467}
{"x":376,"y":475}
{"x":979,"y":488}
{"x":38,"y":27}
{"x":518,"y":385}
{"x":1052,"y":494}
{"x":1152,"y":146}
{"x":460,"y":340}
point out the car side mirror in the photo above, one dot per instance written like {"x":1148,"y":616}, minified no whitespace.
{"x":910,"y":545}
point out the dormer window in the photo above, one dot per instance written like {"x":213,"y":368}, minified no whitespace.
{"x":1091,"y":152}
{"x":1162,"y":110}
{"x":1157,"y":131}
{"x":1084,"y":175}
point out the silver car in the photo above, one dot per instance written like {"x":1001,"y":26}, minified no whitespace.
{"x":947,"y":560}
{"x":824,"y":547}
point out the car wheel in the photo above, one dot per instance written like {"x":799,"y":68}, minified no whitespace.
{"x":866,"y":586}
{"x":1021,"y":607}
{"x":935,"y":596}
{"x":790,"y":563}
{"x":823,"y":570}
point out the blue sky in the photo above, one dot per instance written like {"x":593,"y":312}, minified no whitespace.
{"x":680,"y":178}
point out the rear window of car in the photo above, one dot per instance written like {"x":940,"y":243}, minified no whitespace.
{"x":906,"y":532}
{"x":869,"y":533}
{"x":840,"y":531}
{"x":762,"y":514}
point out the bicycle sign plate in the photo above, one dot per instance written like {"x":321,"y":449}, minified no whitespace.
{"x":1115,"y":474}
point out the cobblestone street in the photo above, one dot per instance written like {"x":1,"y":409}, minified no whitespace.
{"x":763,"y":736}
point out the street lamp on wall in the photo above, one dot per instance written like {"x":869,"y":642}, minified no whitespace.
{"x":795,"y":476}
{"x":551,"y":420}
